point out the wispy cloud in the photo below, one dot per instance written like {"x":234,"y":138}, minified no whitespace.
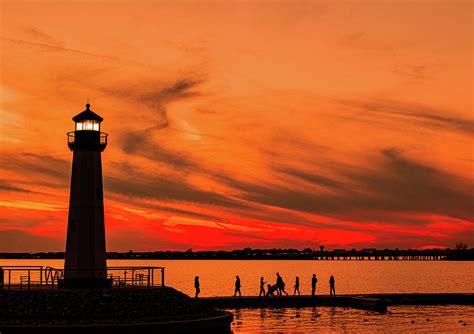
{"x":411,"y":112}
{"x":42,"y":36}
{"x":156,"y":96}
{"x":53,"y":47}
{"x":395,"y":184}
{"x":7,"y":186}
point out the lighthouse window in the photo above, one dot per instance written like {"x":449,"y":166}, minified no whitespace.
{"x":88,"y":125}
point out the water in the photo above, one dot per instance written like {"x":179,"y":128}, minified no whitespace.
{"x":399,"y":319}
{"x":352,"y":277}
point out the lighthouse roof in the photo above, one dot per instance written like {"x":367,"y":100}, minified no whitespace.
{"x":87,"y":115}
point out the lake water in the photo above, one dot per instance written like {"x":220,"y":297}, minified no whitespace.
{"x":352,"y":277}
{"x":399,"y":319}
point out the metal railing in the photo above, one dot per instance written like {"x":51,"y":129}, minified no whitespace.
{"x":41,"y":277}
{"x":71,"y":137}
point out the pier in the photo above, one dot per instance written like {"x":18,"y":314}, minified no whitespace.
{"x":372,"y":302}
{"x":365,"y":303}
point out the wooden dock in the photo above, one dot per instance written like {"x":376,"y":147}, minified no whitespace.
{"x":372,"y":302}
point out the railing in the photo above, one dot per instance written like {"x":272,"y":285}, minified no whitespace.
{"x":71,"y":137}
{"x":39,"y":277}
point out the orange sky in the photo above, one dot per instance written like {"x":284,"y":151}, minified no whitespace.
{"x":242,"y":124}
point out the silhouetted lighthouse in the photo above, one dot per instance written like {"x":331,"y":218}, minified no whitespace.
{"x":85,"y":263}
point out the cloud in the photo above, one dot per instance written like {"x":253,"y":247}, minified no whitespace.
{"x":394,"y":184}
{"x":140,"y":143}
{"x":404,"y":185}
{"x":52,"y":47}
{"x":42,"y":36}
{"x":415,"y":72}
{"x":21,"y":241}
{"x":309,"y":177}
{"x":133,"y":182}
{"x":412,"y":112}
{"x":156,"y":96}
{"x":45,"y":165}
{"x":6,"y":186}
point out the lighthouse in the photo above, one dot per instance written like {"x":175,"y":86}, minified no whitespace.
{"x":85,"y":263}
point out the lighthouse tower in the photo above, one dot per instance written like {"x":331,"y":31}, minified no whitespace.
{"x":85,"y":264}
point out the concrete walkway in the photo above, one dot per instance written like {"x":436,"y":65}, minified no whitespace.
{"x":374,"y":302}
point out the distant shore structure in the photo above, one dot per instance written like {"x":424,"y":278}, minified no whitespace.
{"x":85,"y":258}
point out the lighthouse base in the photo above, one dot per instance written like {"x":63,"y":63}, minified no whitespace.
{"x":85,"y":283}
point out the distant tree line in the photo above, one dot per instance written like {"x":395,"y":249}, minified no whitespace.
{"x":459,"y":252}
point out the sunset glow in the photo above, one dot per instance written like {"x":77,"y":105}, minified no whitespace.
{"x":268,"y":124}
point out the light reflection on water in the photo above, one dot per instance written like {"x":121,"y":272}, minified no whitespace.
{"x":399,"y":319}
{"x":352,"y":277}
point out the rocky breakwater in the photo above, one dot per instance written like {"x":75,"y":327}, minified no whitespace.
{"x":161,"y":308}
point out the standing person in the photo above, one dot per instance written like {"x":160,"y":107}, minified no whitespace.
{"x":237,"y":286}
{"x":278,"y":284}
{"x":281,"y":287}
{"x":314,"y":280}
{"x":262,"y":287}
{"x":197,"y":286}
{"x":332,"y":288}
{"x":297,"y":286}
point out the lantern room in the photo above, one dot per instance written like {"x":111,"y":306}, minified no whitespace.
{"x":87,"y":134}
{"x":87,"y":120}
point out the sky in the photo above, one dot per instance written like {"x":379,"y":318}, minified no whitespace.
{"x":232,"y":124}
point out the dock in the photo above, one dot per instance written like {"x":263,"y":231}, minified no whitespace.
{"x":371,"y":302}
{"x":365,"y":303}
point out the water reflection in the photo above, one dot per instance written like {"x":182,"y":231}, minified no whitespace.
{"x":425,"y":319}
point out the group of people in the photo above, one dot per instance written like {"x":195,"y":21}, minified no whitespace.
{"x":277,"y":289}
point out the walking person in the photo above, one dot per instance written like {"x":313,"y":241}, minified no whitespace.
{"x":297,"y":286}
{"x":197,"y":286}
{"x":314,"y":280}
{"x":332,"y":288}
{"x":237,"y":286}
{"x":281,"y":285}
{"x":278,"y":284}
{"x":262,"y":287}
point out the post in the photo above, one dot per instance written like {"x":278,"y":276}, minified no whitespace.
{"x":1,"y":278}
{"x":149,"y":278}
{"x":162,"y":276}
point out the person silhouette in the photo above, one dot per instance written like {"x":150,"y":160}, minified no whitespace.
{"x":297,"y":286}
{"x":271,"y":290}
{"x":197,"y":286}
{"x":262,"y":287}
{"x":278,"y":284}
{"x":332,"y":288}
{"x":281,"y":285}
{"x":314,"y":280}
{"x":237,"y":286}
